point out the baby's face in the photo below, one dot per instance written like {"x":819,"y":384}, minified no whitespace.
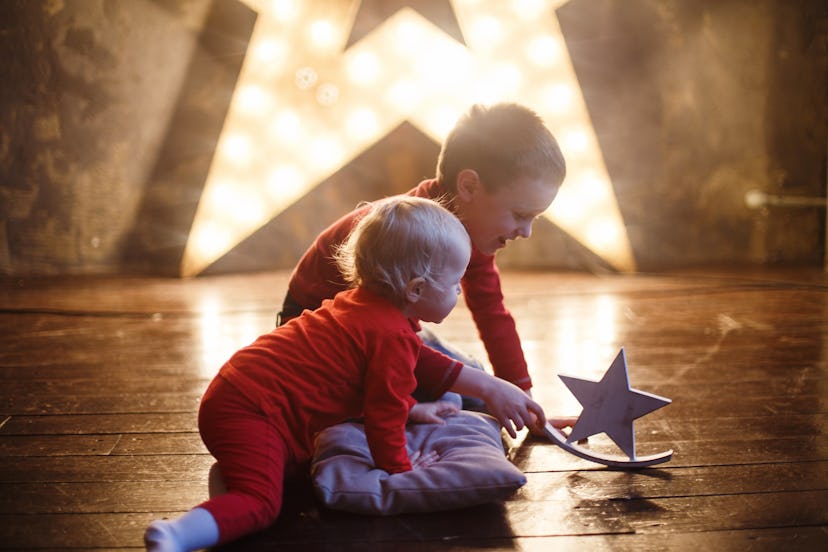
{"x":440,"y":296}
{"x":495,"y":218}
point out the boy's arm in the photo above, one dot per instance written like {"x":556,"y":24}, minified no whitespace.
{"x":495,"y":324}
{"x":508,"y":403}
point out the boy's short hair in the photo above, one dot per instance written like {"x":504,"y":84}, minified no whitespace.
{"x":398,"y":239}
{"x":502,"y":142}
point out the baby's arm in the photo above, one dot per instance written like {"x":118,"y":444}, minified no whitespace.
{"x":508,"y":403}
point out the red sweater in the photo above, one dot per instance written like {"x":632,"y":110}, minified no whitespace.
{"x":352,"y":357}
{"x":317,"y":277}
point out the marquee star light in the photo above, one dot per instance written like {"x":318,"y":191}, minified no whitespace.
{"x":305,"y":106}
{"x":610,"y":406}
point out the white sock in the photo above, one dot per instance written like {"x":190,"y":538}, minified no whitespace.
{"x":194,"y":530}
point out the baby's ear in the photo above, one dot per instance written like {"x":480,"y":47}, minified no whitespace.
{"x":414,"y":289}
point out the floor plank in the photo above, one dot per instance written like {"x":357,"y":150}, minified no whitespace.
{"x":100,"y":380}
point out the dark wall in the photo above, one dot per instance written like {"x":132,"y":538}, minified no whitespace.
{"x":110,"y":110}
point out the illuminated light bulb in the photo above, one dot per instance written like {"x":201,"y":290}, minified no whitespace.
{"x":322,"y":33}
{"x":284,"y":10}
{"x":403,"y":95}
{"x":592,"y":186}
{"x":286,"y":126}
{"x":327,"y":94}
{"x":211,"y":240}
{"x":485,"y":31}
{"x":568,"y":206}
{"x":407,"y":35}
{"x":237,"y":148}
{"x":558,"y":98}
{"x":602,"y":234}
{"x":306,"y":77}
{"x":269,"y":52}
{"x":363,"y":124}
{"x":364,"y":68}
{"x":575,"y":142}
{"x":529,"y":10}
{"x":254,"y":100}
{"x":544,"y":50}
{"x":501,"y":82}
{"x":243,"y":205}
{"x":442,"y":120}
{"x":284,"y":184}
{"x":325,"y":151}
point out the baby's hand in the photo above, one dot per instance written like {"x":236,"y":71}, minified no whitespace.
{"x":432,"y":412}
{"x":419,"y":460}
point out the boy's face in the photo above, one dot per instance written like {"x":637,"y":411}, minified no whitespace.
{"x":495,"y":218}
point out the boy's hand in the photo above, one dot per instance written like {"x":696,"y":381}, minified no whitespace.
{"x":558,"y":423}
{"x":432,"y":412}
{"x":512,"y":407}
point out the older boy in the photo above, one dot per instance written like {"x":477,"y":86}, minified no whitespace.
{"x":499,"y":169}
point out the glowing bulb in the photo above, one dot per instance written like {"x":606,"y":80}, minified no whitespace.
{"x":325,"y":151}
{"x":544,"y":50}
{"x":363,"y":124}
{"x":284,"y":10}
{"x":364,"y":68}
{"x":268,"y":52}
{"x":211,"y":241}
{"x":558,"y":98}
{"x":502,"y":81}
{"x":254,"y":100}
{"x":485,"y":31}
{"x":322,"y":33}
{"x":403,"y":95}
{"x":602,"y":234}
{"x":286,"y":126}
{"x":242,"y":206}
{"x":284,"y":184}
{"x":575,"y":141}
{"x":237,"y":148}
{"x":406,"y":35}
{"x":442,"y":119}
{"x":529,"y":10}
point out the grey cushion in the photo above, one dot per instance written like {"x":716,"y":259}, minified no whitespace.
{"x":472,"y":468}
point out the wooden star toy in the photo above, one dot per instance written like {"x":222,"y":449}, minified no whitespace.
{"x":610,"y":406}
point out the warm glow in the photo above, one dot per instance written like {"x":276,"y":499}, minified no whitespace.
{"x":304,"y":107}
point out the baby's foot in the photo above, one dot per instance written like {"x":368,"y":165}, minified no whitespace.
{"x":159,"y":537}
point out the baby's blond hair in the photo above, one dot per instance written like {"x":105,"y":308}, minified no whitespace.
{"x":400,"y":238}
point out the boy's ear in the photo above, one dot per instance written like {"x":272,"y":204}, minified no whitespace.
{"x":468,"y":182}
{"x":414,"y":289}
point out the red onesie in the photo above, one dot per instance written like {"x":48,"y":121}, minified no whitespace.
{"x":317,"y":277}
{"x":353,"y":357}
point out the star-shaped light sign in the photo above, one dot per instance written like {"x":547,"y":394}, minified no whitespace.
{"x":305,"y":105}
{"x":611,"y":406}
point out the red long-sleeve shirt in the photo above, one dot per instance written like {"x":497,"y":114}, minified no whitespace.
{"x":352,"y":357}
{"x":316,"y":277}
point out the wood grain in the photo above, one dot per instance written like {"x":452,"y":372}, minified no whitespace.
{"x":100,"y":381}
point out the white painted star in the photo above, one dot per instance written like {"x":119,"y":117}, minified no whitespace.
{"x":611,"y":405}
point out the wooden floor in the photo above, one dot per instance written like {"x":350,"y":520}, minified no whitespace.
{"x":101,"y":380}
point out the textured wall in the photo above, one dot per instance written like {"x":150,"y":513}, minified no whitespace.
{"x":109,"y":110}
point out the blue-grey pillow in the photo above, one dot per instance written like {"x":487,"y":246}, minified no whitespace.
{"x":472,"y":468}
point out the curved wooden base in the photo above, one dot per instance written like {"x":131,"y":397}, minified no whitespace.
{"x":557,"y":437}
